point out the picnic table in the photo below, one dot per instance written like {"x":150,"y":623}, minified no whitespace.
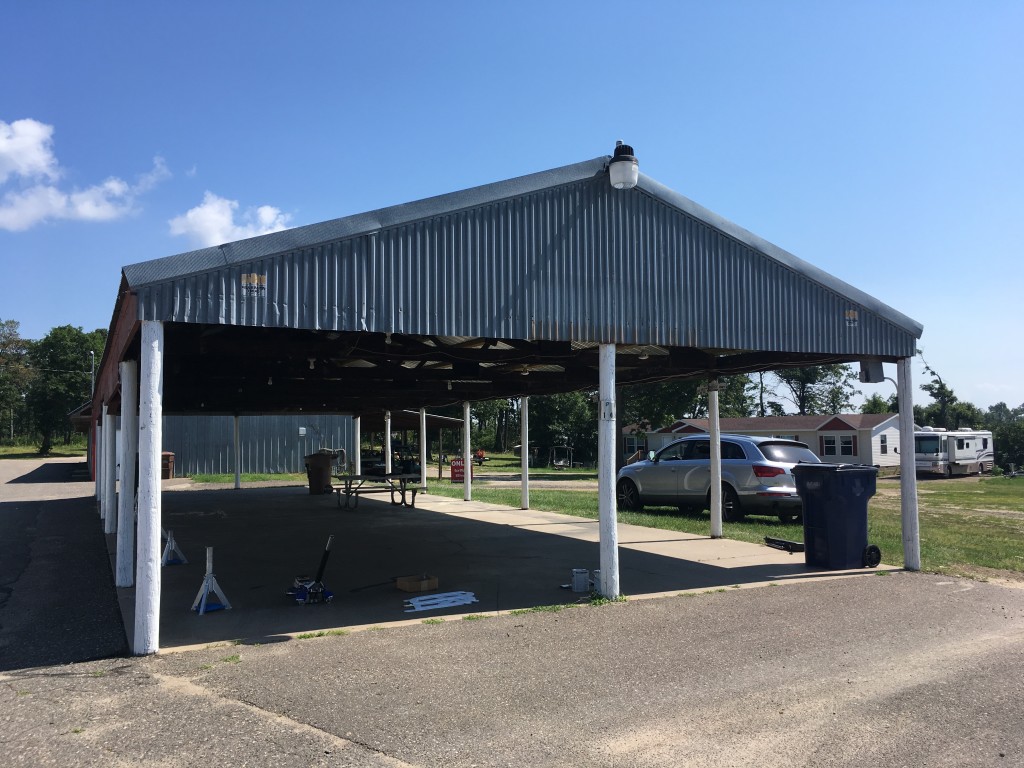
{"x":401,"y":487}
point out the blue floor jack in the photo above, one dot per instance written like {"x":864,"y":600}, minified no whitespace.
{"x":305,"y":590}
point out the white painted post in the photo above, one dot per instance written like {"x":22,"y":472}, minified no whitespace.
{"x":423,"y":449}
{"x":908,"y":468}
{"x":357,"y":447}
{"x":238,"y":455}
{"x":716,"y":460}
{"x":109,"y":472}
{"x":147,"y":572}
{"x":606,"y":442}
{"x":387,"y":442}
{"x":524,"y":450}
{"x":467,"y":458}
{"x":124,"y":569}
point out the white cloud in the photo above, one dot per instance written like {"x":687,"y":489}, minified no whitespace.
{"x":213,"y":221}
{"x":27,"y":159}
{"x":26,"y":151}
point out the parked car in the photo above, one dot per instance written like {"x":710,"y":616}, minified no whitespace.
{"x":757,"y":476}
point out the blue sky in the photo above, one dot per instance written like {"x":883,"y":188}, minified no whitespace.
{"x":880,"y":141}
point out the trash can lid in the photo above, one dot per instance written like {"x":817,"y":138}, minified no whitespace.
{"x":829,"y":467}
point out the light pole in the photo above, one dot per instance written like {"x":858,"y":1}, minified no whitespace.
{"x":92,"y":373}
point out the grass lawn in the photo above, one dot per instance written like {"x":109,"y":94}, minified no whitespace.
{"x":968,"y":526}
{"x":31,"y":452}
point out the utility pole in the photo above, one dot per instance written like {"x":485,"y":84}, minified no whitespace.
{"x":92,"y":373}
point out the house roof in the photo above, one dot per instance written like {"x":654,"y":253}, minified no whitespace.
{"x":785,"y":424}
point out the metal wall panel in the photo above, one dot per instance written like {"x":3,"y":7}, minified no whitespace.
{"x":579,"y":261}
{"x":205,"y":444}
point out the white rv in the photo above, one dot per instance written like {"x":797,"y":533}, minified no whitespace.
{"x":953,"y":452}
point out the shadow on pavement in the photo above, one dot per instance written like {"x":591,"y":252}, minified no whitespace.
{"x":50,"y":472}
{"x":58,"y":604}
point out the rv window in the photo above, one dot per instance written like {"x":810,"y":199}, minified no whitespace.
{"x":984,"y":443}
{"x":960,"y":444}
{"x":926,"y":443}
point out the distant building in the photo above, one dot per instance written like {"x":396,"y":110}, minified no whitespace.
{"x":849,"y":438}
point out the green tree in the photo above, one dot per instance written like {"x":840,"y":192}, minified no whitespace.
{"x":14,"y":373}
{"x":60,"y":366}
{"x":565,"y":419}
{"x":937,"y":413}
{"x":819,"y":389}
{"x":877,"y":404}
{"x":1007,"y":425}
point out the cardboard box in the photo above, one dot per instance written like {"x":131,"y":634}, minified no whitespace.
{"x":419,"y":583}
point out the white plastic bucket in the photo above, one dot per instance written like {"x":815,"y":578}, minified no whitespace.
{"x":580,"y":580}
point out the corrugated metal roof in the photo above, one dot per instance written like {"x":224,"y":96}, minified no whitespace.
{"x":556,"y":255}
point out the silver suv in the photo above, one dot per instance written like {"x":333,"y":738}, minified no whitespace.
{"x":757,"y":476}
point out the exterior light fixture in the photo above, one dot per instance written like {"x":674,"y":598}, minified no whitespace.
{"x":623,"y":170}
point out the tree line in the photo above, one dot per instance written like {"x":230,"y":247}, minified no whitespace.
{"x":571,"y":419}
{"x":42,"y":381}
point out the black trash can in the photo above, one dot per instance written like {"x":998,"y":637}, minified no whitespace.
{"x":318,"y":472}
{"x":835,"y":499}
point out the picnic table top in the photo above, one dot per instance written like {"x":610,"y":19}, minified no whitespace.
{"x":380,"y":478}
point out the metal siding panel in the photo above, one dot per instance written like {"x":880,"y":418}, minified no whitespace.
{"x":269,"y":444}
{"x":578,"y":262}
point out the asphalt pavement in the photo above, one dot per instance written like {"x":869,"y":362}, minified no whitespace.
{"x":897,"y":669}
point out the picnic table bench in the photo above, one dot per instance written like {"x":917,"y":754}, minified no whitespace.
{"x":401,"y":487}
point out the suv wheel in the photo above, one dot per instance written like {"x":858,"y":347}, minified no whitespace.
{"x":731,"y":510}
{"x":629,"y":496}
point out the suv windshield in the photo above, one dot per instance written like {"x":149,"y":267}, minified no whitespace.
{"x":788,"y":453}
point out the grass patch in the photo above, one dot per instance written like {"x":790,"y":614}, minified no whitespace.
{"x":433,"y":621}
{"x":596,"y":599}
{"x":474,"y":617}
{"x":322,"y":633}
{"x":965,"y":523}
{"x":32,"y":452}
{"x":232,"y":659}
{"x":542,"y":609}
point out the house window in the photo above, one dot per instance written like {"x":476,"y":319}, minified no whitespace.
{"x":828,"y":443}
{"x":634,"y":444}
{"x":883,"y":442}
{"x":846,"y":445}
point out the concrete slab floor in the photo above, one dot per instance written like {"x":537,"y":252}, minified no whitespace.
{"x":509,"y":559}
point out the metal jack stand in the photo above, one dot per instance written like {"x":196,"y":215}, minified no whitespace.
{"x":172,"y":553}
{"x":202,"y":603}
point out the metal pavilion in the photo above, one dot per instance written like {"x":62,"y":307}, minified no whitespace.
{"x":546,"y":283}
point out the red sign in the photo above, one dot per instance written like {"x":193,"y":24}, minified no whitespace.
{"x":459,"y":470}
